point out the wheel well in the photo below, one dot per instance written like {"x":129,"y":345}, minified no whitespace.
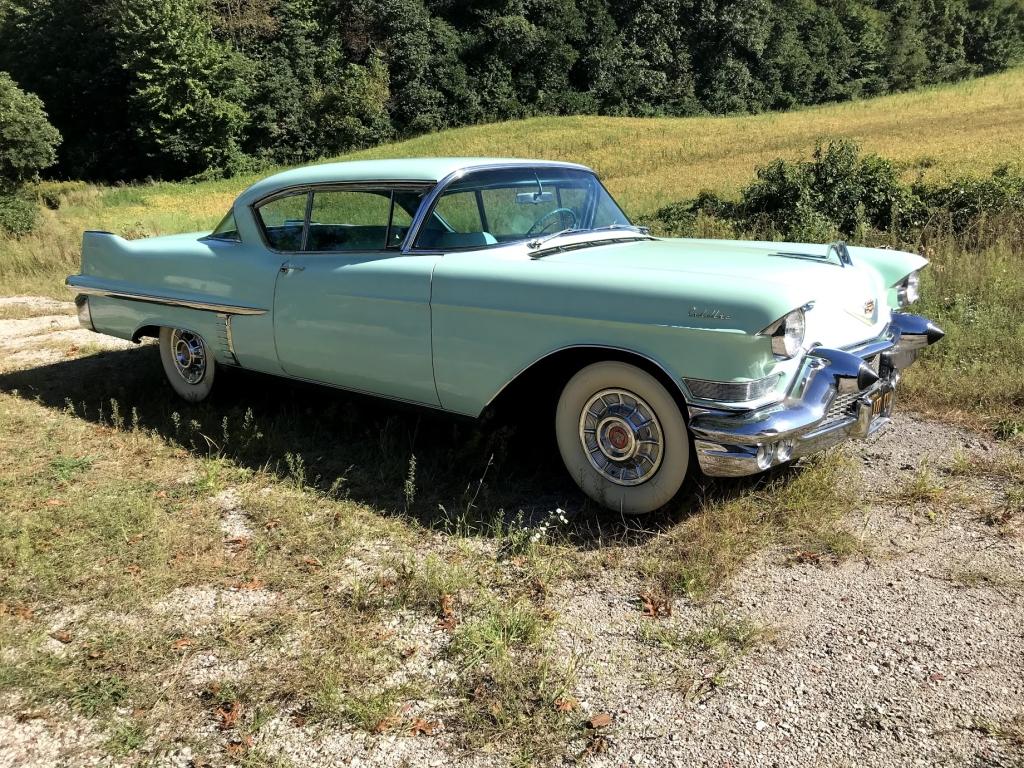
{"x":146,"y":331}
{"x":548,"y":376}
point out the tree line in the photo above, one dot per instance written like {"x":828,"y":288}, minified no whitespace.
{"x":175,"y":88}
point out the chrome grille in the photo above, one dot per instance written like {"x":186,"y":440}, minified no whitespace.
{"x":841,"y":408}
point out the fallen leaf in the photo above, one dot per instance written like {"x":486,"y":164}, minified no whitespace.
{"x":228,"y":714}
{"x":182,"y":642}
{"x":596,"y":745}
{"x":248,"y":586}
{"x":387,"y":723}
{"x":568,"y":704}
{"x":421,"y":727}
{"x":240,"y":746}
{"x":655,"y":605}
{"x":61,"y":636}
{"x":447,"y":612}
{"x":599,"y":720}
{"x":447,"y":605}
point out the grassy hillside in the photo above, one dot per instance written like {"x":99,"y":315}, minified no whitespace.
{"x":965,"y":128}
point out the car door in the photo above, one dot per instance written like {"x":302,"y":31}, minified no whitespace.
{"x":349,"y":308}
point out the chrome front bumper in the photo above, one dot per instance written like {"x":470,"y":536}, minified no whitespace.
{"x":837,"y":395}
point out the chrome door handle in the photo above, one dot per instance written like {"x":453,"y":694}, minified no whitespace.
{"x":291,"y":268}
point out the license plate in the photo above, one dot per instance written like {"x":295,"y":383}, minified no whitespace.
{"x":882,"y":404}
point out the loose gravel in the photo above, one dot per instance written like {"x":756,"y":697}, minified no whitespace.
{"x":895,"y":658}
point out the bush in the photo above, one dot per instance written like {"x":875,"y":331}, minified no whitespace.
{"x":836,"y":192}
{"x":18,"y":214}
{"x":839,"y":193}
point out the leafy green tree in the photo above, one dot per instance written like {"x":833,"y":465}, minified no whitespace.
{"x":27,"y":146}
{"x":63,"y":51}
{"x":27,"y":140}
{"x":185,"y":88}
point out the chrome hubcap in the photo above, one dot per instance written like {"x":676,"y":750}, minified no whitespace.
{"x":621,"y":436}
{"x":189,"y":356}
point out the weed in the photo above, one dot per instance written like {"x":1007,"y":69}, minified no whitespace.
{"x":725,"y":638}
{"x":64,"y":468}
{"x":802,"y":511}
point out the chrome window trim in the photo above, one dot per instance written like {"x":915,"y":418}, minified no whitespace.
{"x":206,"y":306}
{"x":427,"y":206}
{"x":310,"y":189}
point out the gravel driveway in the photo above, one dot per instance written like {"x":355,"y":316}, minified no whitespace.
{"x":912,"y":654}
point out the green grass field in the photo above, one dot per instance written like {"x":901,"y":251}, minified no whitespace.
{"x":969,"y":127}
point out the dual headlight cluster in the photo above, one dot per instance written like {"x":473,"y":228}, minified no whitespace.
{"x":787,"y":333}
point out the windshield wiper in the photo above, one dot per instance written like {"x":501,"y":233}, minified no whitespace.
{"x":539,"y":242}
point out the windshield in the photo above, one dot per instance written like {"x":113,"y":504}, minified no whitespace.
{"x":506,"y":205}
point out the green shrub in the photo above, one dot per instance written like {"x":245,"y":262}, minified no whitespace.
{"x":18,"y":214}
{"x":840,"y":194}
{"x":836,"y":192}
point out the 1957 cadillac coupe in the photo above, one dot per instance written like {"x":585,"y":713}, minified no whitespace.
{"x":447,"y":282}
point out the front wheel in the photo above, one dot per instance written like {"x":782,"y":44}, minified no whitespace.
{"x":188,"y":363}
{"x":622,"y":437}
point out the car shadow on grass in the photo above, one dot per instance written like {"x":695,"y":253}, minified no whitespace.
{"x":447,"y":472}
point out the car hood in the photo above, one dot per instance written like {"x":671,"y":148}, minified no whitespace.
{"x":849,"y":302}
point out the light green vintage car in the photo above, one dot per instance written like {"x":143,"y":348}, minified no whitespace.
{"x":454,"y":283}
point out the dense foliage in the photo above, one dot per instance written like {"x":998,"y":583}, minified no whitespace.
{"x":27,"y":145}
{"x":841,"y":193}
{"x":170,"y":88}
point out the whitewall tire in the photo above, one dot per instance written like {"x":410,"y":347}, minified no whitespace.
{"x":622,"y":437}
{"x":188,"y":363}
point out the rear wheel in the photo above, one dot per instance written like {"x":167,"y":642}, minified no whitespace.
{"x":622,"y":437}
{"x":187,"y":361}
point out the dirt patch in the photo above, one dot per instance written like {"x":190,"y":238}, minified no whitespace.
{"x":35,"y":340}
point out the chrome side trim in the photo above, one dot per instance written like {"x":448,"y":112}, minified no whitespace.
{"x":227,"y":341}
{"x":169,"y":301}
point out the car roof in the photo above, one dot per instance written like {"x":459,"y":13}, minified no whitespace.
{"x":429,"y":170}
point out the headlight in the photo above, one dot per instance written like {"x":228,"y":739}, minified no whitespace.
{"x":909,"y":289}
{"x":787,"y":334}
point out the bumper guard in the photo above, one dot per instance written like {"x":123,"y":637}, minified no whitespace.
{"x":837,"y":395}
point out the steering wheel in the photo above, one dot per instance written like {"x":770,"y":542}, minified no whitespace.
{"x":540,"y":225}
